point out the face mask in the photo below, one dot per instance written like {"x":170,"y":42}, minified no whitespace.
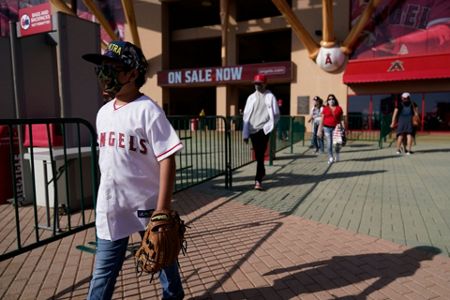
{"x":332,"y":102}
{"x":260,"y":88}
{"x":108,"y":75}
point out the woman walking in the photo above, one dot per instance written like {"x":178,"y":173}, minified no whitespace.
{"x":331,"y":117}
{"x":315,"y":117}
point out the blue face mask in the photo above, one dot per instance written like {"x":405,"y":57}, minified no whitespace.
{"x":332,"y":102}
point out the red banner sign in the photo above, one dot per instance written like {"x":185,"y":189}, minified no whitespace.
{"x":397,"y":69}
{"x":275,"y":72}
{"x":35,"y":19}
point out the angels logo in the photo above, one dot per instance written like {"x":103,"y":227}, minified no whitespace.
{"x":25,"y":22}
{"x":330,"y":59}
{"x":396,"y":65}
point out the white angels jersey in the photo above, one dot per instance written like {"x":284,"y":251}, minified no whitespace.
{"x":132,"y":140}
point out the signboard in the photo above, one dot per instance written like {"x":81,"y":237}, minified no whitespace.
{"x":35,"y":19}
{"x":275,"y":72}
{"x":408,"y":27}
{"x":303,"y":105}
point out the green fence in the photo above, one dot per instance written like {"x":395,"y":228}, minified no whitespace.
{"x":205,"y":152}
{"x":362,"y":128}
{"x":52,"y":169}
{"x":49,"y":167}
{"x":369,"y":128}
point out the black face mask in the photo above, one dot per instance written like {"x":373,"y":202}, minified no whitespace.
{"x":108,"y":75}
{"x":260,"y":88}
{"x":406,"y":103}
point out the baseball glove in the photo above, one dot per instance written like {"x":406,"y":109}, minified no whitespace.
{"x":162,"y":242}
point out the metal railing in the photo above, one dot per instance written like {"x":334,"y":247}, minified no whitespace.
{"x":213,"y":146}
{"x":53,"y":172}
{"x":289,"y":130}
{"x":362,"y":128}
{"x":51,"y":165}
{"x":205,"y":152}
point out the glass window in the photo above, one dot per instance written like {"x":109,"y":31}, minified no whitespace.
{"x":437,"y":112}
{"x":382,"y":105}
{"x":417,"y":100}
{"x":358,"y":112}
{"x":365,"y":112}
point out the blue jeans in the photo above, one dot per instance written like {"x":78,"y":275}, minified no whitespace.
{"x":108,"y":263}
{"x":328,"y":131}
{"x":316,"y":141}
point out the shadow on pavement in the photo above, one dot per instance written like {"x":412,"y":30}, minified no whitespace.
{"x":432,"y":150}
{"x":374,"y":158}
{"x":64,"y":294}
{"x":341,"y":271}
{"x":286,"y":179}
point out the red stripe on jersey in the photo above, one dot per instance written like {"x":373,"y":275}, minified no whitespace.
{"x":168,"y":150}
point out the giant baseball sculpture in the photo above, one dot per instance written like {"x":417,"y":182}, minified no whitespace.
{"x":330,"y":57}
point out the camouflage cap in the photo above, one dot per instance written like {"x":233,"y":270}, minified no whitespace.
{"x":123,"y":52}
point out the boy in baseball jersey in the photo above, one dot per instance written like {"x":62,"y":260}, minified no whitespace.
{"x":137,"y":146}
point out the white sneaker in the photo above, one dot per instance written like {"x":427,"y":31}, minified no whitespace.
{"x":336,"y":158}
{"x":330,"y":160}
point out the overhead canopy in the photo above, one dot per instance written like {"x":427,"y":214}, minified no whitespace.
{"x":397,"y":68}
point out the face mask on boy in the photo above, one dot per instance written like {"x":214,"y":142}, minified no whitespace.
{"x":108,"y":75}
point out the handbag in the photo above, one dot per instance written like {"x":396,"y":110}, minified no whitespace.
{"x":344,"y":137}
{"x":339,"y":136}
{"x":416,"y":120}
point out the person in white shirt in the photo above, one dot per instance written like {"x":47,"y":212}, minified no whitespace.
{"x":137,"y":145}
{"x":261,"y":115}
{"x":315,"y":117}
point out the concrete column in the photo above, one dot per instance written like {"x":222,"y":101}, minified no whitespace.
{"x":152,"y":27}
{"x":221,"y":101}
{"x":227,"y":95}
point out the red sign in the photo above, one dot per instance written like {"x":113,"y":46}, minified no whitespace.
{"x":35,"y":19}
{"x":275,"y":72}
{"x":398,"y":69}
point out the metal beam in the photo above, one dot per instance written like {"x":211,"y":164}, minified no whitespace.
{"x":101,"y":18}
{"x":328,"y":39}
{"x":62,"y":6}
{"x":224,"y":20}
{"x":303,"y":35}
{"x":355,"y":32}
{"x":128,"y":9}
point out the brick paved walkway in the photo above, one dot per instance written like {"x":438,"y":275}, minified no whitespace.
{"x":355,"y":230}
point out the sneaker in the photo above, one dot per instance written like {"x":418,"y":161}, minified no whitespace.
{"x":316,"y":151}
{"x":398,"y":152}
{"x":408,"y":152}
{"x":330,"y":160}
{"x":258,"y":186}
